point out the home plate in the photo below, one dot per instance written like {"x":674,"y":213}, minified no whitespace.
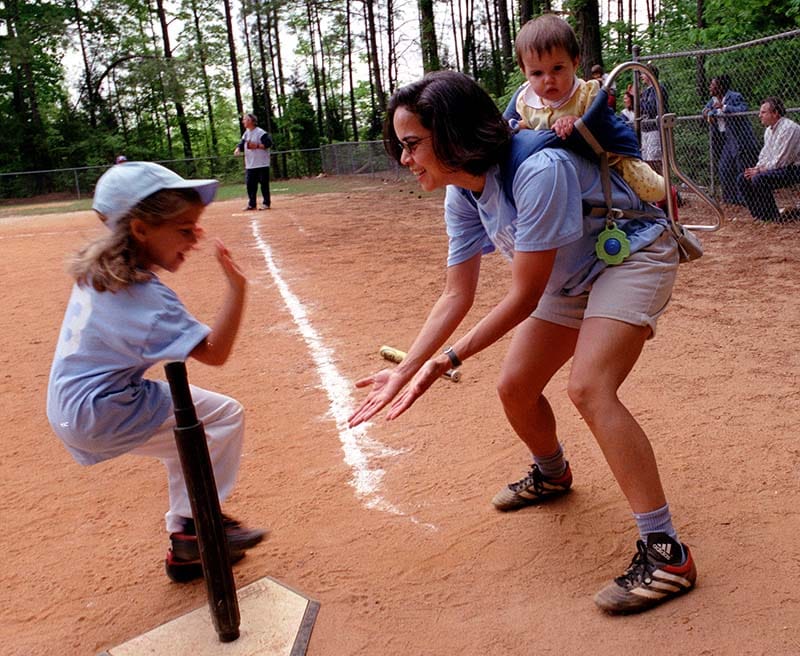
{"x":275,"y":621}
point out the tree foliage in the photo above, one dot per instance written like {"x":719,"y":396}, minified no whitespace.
{"x":85,"y":80}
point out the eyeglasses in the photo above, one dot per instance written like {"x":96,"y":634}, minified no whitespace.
{"x":410,"y":145}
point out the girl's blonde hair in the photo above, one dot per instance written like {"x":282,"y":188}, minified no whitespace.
{"x":113,"y":262}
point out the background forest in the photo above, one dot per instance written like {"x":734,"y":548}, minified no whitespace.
{"x":85,"y":80}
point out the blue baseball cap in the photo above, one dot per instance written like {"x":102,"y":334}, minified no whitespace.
{"x":124,"y":185}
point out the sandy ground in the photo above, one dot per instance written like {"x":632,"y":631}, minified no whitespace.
{"x":391,"y":529}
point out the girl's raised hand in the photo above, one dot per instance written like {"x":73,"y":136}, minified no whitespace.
{"x":235,"y":275}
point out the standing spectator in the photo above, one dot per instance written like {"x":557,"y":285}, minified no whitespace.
{"x":716,"y":124}
{"x":601,"y":76}
{"x":627,"y":113}
{"x":739,"y":149}
{"x":255,"y":145}
{"x":778,"y":163}
{"x":648,"y":108}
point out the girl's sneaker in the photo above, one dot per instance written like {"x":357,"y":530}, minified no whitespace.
{"x":240,"y":538}
{"x":184,"y":571}
{"x":531,"y":489}
{"x":660,"y":570}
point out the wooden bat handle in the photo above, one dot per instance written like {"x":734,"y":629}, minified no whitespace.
{"x":396,"y":355}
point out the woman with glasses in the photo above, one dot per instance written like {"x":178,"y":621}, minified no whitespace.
{"x":567,"y":298}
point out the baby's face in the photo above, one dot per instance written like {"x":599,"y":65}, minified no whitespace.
{"x":551,"y":74}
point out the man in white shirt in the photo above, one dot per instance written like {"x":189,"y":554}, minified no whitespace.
{"x":255,"y":145}
{"x":778,"y":164}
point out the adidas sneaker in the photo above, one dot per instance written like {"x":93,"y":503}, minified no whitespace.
{"x":661,"y":569}
{"x":531,"y":489}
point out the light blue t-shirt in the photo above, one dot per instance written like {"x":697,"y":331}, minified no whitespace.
{"x":550,"y":190}
{"x":98,"y":402}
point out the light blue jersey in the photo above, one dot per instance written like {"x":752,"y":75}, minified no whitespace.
{"x":551,"y":188}
{"x":98,"y":402}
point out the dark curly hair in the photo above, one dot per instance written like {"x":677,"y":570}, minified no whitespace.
{"x":776,"y":104}
{"x":467,"y":129}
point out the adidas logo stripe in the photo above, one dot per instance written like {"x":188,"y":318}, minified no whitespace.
{"x":664,"y":550}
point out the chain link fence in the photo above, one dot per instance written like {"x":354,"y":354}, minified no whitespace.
{"x":715,"y":153}
{"x":713,"y":158}
{"x":356,"y":158}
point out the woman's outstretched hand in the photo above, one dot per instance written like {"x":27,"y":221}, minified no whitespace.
{"x":385,"y":386}
{"x":423,"y":379}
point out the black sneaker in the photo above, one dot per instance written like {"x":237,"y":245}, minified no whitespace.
{"x":660,"y":570}
{"x":184,"y":571}
{"x":240,"y":538}
{"x":532,"y":489}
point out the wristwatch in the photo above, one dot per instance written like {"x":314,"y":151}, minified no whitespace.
{"x":454,"y":359}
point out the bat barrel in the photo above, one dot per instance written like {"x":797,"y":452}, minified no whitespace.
{"x":190,"y":439}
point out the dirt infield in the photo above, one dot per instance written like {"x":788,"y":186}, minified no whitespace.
{"x":393,"y":533}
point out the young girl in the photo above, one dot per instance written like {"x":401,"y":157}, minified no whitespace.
{"x":121,"y":320}
{"x":553,"y":97}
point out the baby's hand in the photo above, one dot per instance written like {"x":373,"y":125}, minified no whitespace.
{"x":563,"y":126}
{"x":235,"y":275}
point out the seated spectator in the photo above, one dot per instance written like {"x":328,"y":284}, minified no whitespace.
{"x":735,"y":141}
{"x":778,"y":163}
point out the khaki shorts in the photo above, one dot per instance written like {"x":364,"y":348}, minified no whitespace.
{"x":635,"y":292}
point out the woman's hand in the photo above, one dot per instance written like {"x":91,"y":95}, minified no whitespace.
{"x":423,"y":379}
{"x":385,"y":386}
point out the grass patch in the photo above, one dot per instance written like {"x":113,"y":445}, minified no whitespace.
{"x":58,"y":204}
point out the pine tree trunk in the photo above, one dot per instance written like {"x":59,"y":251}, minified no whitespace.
{"x":700,"y":63}
{"x":264,"y":76}
{"x":206,"y":84}
{"x":587,"y":28}
{"x":373,"y":41}
{"x":353,"y":118}
{"x":184,"y":128}
{"x":506,"y":45}
{"x":427,"y":36}
{"x":248,"y":50}
{"x":234,"y":65}
{"x":456,"y":41}
{"x":91,"y":96}
{"x":161,"y":86}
